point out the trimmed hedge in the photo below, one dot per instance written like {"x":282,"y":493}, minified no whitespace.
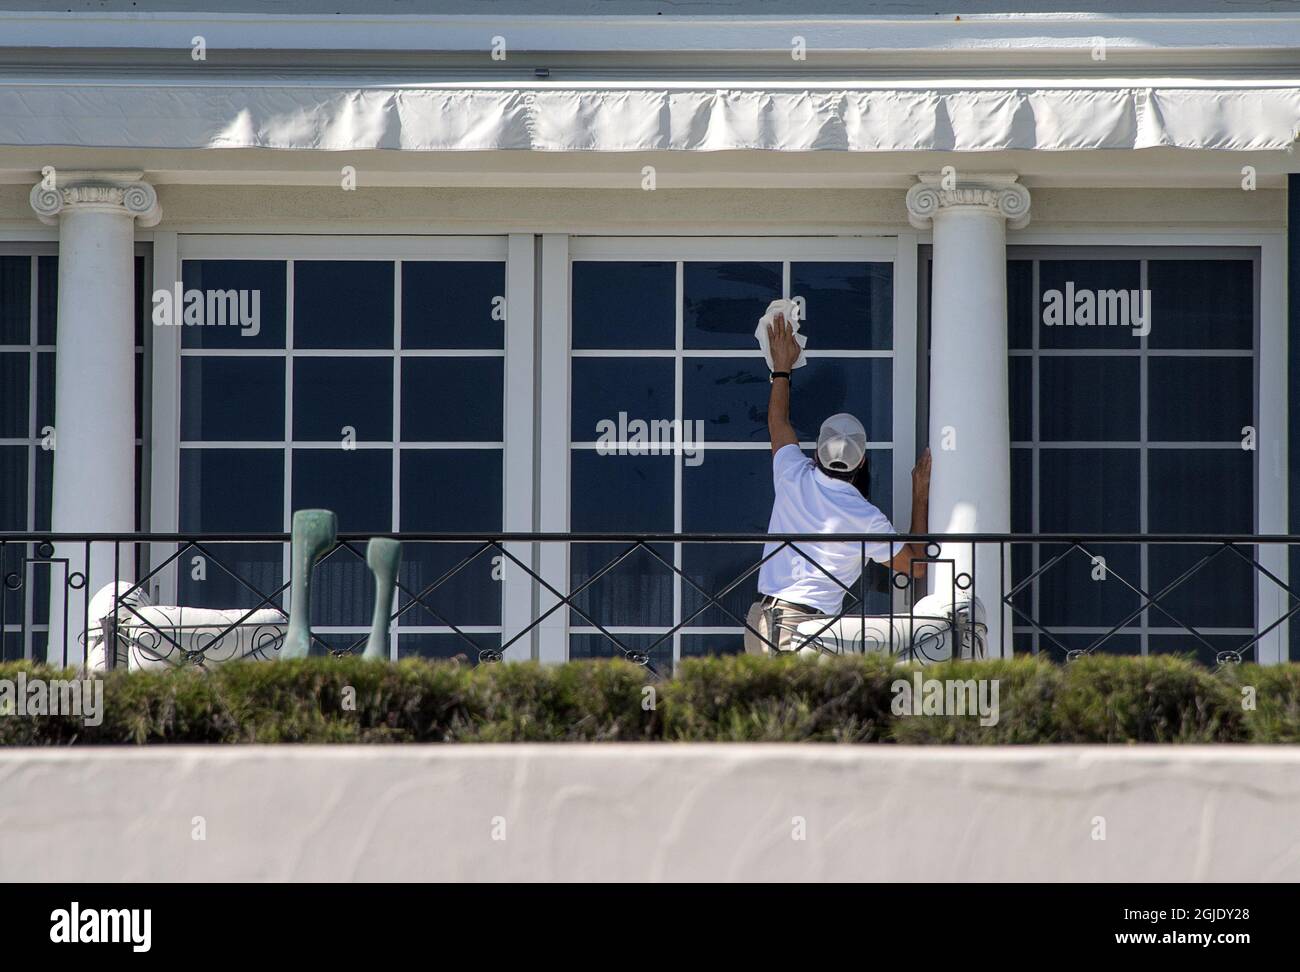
{"x":737,"y":698}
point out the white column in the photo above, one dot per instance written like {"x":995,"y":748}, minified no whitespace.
{"x":94,"y":382}
{"x":970,"y":436}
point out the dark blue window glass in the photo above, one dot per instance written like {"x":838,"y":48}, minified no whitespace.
{"x":232,"y":399}
{"x":1202,"y":491}
{"x":642,"y":388}
{"x":723,"y":302}
{"x":332,"y":393}
{"x":1089,"y":491}
{"x":445,"y":646}
{"x":451,"y":491}
{"x":264,"y":279}
{"x":847,"y":305}
{"x":357,"y":484}
{"x":624,"y":304}
{"x":1089,"y":399}
{"x":700,"y":646}
{"x":450,"y":304}
{"x":861,"y":386}
{"x":621,"y":493}
{"x":47,"y":299}
{"x":1020,"y":372}
{"x":15,"y":299}
{"x":343,"y":304}
{"x":730,"y":395}
{"x":45,"y":390}
{"x":15,"y":389}
{"x":1202,"y":303}
{"x":730,"y":492}
{"x":1200,"y":399}
{"x":13,"y":487}
{"x":1077,"y":282}
{"x":231,"y":491}
{"x":453,"y":399}
{"x":1021,"y":317}
{"x":585,"y":646}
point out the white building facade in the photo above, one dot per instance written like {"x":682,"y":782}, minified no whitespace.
{"x":430,"y":269}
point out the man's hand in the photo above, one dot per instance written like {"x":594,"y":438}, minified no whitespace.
{"x":785,"y":349}
{"x":921,"y":476}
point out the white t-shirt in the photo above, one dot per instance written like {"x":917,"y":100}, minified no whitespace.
{"x":809,"y":501}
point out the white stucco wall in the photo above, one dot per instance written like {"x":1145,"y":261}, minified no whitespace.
{"x":651,"y":812}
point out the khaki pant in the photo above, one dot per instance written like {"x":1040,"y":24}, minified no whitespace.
{"x":775,"y":623}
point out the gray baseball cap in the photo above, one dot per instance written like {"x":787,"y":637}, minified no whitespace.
{"x":842,"y":443}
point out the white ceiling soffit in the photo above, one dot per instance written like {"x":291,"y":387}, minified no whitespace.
{"x":599,"y":26}
{"x":789,"y":117}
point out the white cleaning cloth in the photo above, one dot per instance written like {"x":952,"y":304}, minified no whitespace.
{"x":787,"y":307}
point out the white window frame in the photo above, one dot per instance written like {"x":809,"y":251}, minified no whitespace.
{"x":560,"y":251}
{"x":514,"y":250}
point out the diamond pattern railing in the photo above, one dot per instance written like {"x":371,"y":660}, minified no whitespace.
{"x":73,"y":568}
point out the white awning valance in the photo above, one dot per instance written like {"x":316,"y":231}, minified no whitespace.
{"x":629,"y":118}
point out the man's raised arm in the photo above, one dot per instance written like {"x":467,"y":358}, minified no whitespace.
{"x":785,"y":352}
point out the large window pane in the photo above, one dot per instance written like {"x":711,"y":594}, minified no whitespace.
{"x":232,"y":399}
{"x":1200,"y":399}
{"x":723,"y":302}
{"x":1022,"y":315}
{"x":330,"y":394}
{"x":624,"y":304}
{"x":15,"y":299}
{"x":1202,"y":303}
{"x":446,"y":491}
{"x":1079,"y":283}
{"x":343,"y":304}
{"x":847,"y":305}
{"x":640,"y":388}
{"x":622,"y":493}
{"x":453,"y":399}
{"x":263,"y":279}
{"x":357,"y":484}
{"x":730,"y":492}
{"x":452,"y":303}
{"x":15,"y":389}
{"x":232,"y":490}
{"x":1089,"y":399}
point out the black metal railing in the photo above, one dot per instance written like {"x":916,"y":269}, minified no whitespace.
{"x":1219,"y":597}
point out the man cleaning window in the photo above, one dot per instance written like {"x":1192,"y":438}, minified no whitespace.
{"x":821,"y":498}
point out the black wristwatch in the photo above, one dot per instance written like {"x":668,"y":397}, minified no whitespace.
{"x":779,"y":374}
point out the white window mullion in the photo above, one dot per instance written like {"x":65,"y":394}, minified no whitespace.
{"x":517,"y":461}
{"x":553,"y":442}
{"x":165,"y":423}
{"x":905,"y":338}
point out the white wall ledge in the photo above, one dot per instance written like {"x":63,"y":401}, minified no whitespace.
{"x":651,"y":812}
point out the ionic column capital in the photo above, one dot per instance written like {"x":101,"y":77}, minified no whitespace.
{"x":998,"y":194}
{"x":122,"y":193}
